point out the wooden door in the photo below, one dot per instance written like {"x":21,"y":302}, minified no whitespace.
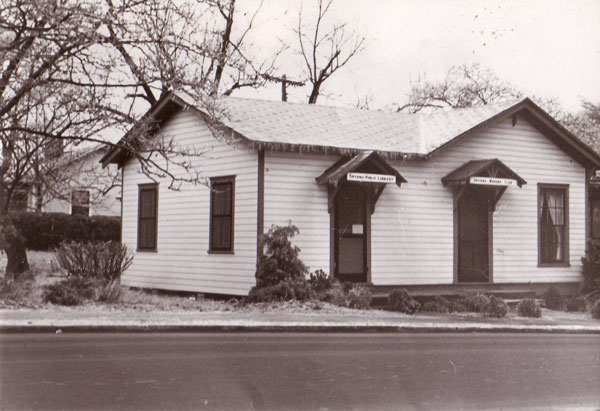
{"x":351,"y":234}
{"x":473,"y":237}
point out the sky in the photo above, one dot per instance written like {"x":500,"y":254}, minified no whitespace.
{"x":548,"y":48}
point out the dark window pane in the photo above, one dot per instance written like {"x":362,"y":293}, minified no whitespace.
{"x":221,"y":216}
{"x":596,"y":219}
{"x":147,"y":218}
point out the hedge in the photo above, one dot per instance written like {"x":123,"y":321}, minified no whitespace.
{"x":45,"y":231}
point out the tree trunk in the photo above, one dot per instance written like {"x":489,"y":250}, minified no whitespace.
{"x":14,"y":246}
{"x":17,"y":260}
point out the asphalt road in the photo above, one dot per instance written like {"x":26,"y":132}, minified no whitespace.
{"x":299,"y":371}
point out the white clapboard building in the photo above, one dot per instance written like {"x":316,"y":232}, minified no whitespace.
{"x":484,"y":198}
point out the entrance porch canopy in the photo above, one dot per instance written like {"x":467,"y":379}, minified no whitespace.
{"x":371,"y":164}
{"x":491,"y":172}
{"x":492,"y":175}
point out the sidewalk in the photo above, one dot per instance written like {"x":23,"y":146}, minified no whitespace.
{"x":107,"y":319}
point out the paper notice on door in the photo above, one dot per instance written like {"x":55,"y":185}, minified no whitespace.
{"x":357,"y":229}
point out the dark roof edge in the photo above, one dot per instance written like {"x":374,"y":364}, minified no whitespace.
{"x":541,"y":115}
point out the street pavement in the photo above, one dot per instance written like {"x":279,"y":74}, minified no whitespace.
{"x":278,"y":371}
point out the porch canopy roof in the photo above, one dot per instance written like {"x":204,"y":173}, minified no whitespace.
{"x":491,"y":172}
{"x":367,"y":161}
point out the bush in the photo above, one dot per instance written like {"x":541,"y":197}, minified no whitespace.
{"x":72,"y":291}
{"x":529,"y":308}
{"x":45,"y":231}
{"x":334,"y":295}
{"x":320,"y":281}
{"x":280,"y":259}
{"x":358,"y":297}
{"x":596,"y":310}
{"x":553,"y":299}
{"x":476,"y":303}
{"x":591,"y":269}
{"x":399,"y":300}
{"x":104,"y":261}
{"x":457,"y":306}
{"x":434,"y":307}
{"x":18,"y":292}
{"x":438,"y":305}
{"x":575,"y":304}
{"x":285,"y":290}
{"x":496,"y":307}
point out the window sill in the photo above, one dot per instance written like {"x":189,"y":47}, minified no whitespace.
{"x":543,"y":265}
{"x":220,"y":252}
{"x":146,"y":250}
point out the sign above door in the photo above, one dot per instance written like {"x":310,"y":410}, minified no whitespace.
{"x":371,"y":178}
{"x":493,"y":181}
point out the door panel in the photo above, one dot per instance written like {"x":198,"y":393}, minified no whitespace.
{"x":473,"y":237}
{"x":350,"y":234}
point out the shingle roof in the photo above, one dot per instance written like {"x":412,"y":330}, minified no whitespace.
{"x":298,"y":127}
{"x":283,"y":123}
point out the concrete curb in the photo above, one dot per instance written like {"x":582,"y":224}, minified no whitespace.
{"x":294,"y":328}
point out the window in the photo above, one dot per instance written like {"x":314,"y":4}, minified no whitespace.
{"x":595,"y":206}
{"x":147,"y":216}
{"x":553,"y":224}
{"x":221,"y":214}
{"x":80,"y":202}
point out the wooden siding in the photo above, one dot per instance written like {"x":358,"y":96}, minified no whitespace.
{"x":292,"y":194}
{"x":412,"y":228}
{"x":182,"y":261}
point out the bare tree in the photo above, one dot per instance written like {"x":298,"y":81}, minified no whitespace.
{"x":325,"y":48}
{"x":473,"y":85}
{"x":463,"y":86}
{"x":74,"y":70}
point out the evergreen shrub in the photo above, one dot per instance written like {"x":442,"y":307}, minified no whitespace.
{"x":400,"y":300}
{"x":552,"y":299}
{"x":46,"y":231}
{"x":576,"y":303}
{"x":596,"y":310}
{"x":476,"y":302}
{"x":496,"y":307}
{"x":529,"y":308}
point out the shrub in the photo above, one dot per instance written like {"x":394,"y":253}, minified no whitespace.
{"x":596,"y":310}
{"x":71,"y":291}
{"x":105,"y":261}
{"x":19,"y":292}
{"x":358,"y":297}
{"x":438,"y":305}
{"x":285,"y":290}
{"x":334,"y":295}
{"x":280,"y":259}
{"x":591,"y":269}
{"x":399,"y":300}
{"x":434,"y":307}
{"x":553,"y":299}
{"x":496,"y":307}
{"x":45,"y":231}
{"x":476,"y":303}
{"x":576,"y":303}
{"x":457,"y":306}
{"x":320,"y":281}
{"x":529,"y":308}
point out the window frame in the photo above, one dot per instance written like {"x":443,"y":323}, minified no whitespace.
{"x":215,"y":181}
{"x":566,"y":226}
{"x":141,"y":188}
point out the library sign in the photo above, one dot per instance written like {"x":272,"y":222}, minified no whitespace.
{"x":493,"y":181}
{"x":371,"y":178}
